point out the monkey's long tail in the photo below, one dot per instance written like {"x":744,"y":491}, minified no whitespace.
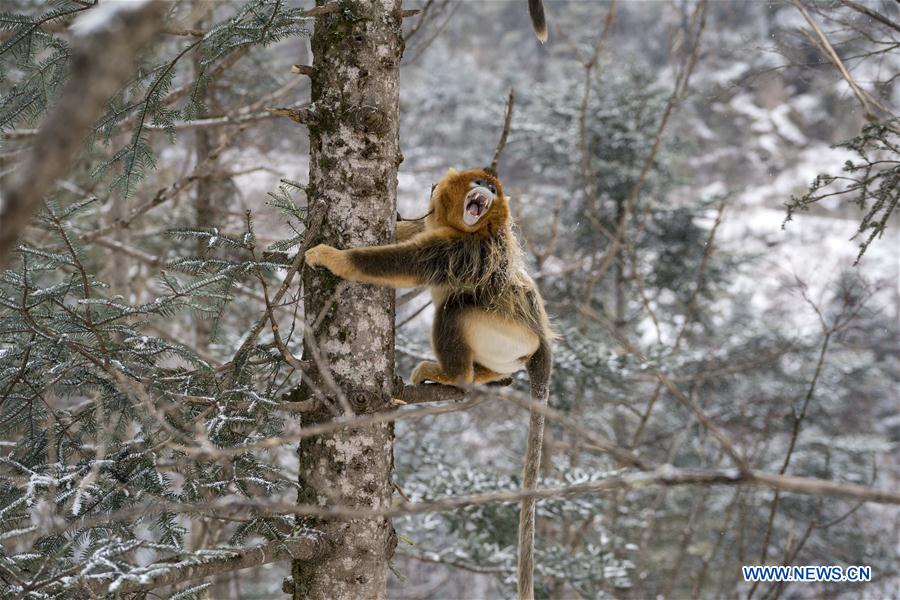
{"x":539,"y":367}
{"x":538,"y":20}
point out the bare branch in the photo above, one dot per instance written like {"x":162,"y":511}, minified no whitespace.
{"x":324,"y":9}
{"x":871,"y":13}
{"x":228,"y":119}
{"x":708,"y":248}
{"x":312,"y":230}
{"x":409,"y":296}
{"x":795,"y":432}
{"x":664,"y":475}
{"x":865,"y":99}
{"x":302,"y":69}
{"x":417,"y":394}
{"x":507,"y":121}
{"x":184,"y":32}
{"x":300,"y":115}
{"x":698,"y":25}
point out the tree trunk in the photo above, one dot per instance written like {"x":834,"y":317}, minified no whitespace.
{"x":209,"y":192}
{"x":354,"y":155}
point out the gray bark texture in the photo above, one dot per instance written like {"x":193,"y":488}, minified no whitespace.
{"x":354,"y":156}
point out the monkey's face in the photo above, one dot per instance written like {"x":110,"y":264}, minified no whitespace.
{"x":470,"y":201}
{"x":478,"y":201}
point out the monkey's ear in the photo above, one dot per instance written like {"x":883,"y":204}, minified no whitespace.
{"x":451,"y":172}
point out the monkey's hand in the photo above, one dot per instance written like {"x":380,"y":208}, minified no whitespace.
{"x":326,"y":256}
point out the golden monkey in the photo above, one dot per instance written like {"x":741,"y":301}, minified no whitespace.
{"x":489,"y":316}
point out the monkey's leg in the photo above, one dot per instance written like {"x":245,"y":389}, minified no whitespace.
{"x":453,"y":353}
{"x":428,"y":370}
{"x":485,"y":375}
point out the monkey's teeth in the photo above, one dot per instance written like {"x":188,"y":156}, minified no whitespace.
{"x":477,"y":203}
{"x":474,"y":208}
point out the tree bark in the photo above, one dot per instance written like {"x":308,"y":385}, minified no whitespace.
{"x":354,"y":156}
{"x":210,"y":192}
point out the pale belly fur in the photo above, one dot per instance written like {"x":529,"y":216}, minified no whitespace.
{"x":498,"y":344}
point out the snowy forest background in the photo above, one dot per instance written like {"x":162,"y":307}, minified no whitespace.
{"x":125,"y":312}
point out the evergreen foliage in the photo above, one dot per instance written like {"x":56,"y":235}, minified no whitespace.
{"x":101,"y":408}
{"x":35,"y":62}
{"x":871,"y":182}
{"x":141,"y":398}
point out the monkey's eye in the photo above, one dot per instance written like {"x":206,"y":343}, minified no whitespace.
{"x":483,"y":183}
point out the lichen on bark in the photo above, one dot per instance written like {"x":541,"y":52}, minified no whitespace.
{"x":354,"y":156}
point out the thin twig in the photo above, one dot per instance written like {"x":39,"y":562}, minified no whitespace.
{"x":681,"y":86}
{"x":865,"y":99}
{"x":507,"y":121}
{"x":871,"y":13}
{"x":708,"y":249}
{"x":795,"y":432}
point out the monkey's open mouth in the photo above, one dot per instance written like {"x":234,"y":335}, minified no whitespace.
{"x":478,"y":201}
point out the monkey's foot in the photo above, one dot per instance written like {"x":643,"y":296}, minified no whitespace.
{"x":428,"y":370}
{"x":484,"y":375}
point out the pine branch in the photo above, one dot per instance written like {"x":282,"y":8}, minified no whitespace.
{"x":95,"y":78}
{"x":308,"y":547}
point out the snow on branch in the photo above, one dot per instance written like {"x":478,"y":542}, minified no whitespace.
{"x":309,"y":546}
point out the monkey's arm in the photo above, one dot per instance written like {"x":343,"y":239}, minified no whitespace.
{"x":407,"y":230}
{"x":407,"y":264}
